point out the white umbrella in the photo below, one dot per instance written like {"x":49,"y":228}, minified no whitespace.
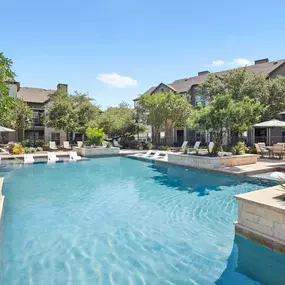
{"x":270,"y":124}
{"x":4,"y":129}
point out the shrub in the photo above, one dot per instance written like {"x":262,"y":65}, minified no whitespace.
{"x":45,"y":146}
{"x":26,"y":149}
{"x":165,"y":147}
{"x":95,"y":136}
{"x":108,"y":145}
{"x":237,"y":150}
{"x":11,"y":147}
{"x":25,"y":143}
{"x":149,"y":145}
{"x":39,"y":143}
{"x":243,"y":146}
{"x":252,"y":150}
{"x":39,"y":148}
{"x":18,"y":149}
{"x":185,"y":150}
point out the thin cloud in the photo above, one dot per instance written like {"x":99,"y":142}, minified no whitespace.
{"x":116,"y":80}
{"x":236,"y":62}
{"x":241,"y":62}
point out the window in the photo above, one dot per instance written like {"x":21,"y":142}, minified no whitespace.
{"x":55,"y":137}
{"x":200,"y":136}
{"x":199,"y":99}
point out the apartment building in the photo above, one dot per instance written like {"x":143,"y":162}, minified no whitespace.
{"x":37,"y":99}
{"x":188,"y":88}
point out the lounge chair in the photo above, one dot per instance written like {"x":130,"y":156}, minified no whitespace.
{"x":73,"y":156}
{"x":79,"y":143}
{"x":211,"y":147}
{"x":282,"y":144}
{"x":197,"y":145}
{"x":104,"y":143}
{"x":148,"y":153}
{"x":156,"y":155}
{"x":184,"y":145}
{"x":278,"y":150}
{"x":260,"y":150}
{"x":52,"y":146}
{"x":262,"y":145}
{"x":52,"y":158}
{"x":116,"y":144}
{"x":66,"y":145}
{"x":28,"y":158}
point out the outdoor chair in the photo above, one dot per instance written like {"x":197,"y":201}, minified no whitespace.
{"x":262,"y":145}
{"x":66,"y":145}
{"x":184,"y":145}
{"x":104,"y":143}
{"x":116,"y":144}
{"x":52,"y":146}
{"x":73,"y":156}
{"x":282,"y":144}
{"x":260,"y":150}
{"x":79,"y":143}
{"x":211,"y":147}
{"x":278,"y":150}
{"x":148,"y":153}
{"x":28,"y":158}
{"x":52,"y":158}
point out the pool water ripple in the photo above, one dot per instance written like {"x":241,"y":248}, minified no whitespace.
{"x":123,"y":221}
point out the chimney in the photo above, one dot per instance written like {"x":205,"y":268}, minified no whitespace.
{"x":63,"y":87}
{"x":18,"y":86}
{"x":203,"y":72}
{"x":259,"y":61}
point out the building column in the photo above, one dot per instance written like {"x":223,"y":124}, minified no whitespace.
{"x":185,"y":134}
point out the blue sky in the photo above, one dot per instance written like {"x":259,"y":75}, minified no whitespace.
{"x":116,"y":50}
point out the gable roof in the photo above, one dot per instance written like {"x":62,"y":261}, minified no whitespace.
{"x":185,"y":84}
{"x":163,"y":84}
{"x":34,"y":95}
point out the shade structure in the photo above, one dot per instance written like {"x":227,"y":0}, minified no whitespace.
{"x":4,"y":129}
{"x":270,"y":124}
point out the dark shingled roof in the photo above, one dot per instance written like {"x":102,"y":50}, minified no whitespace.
{"x":183,"y":85}
{"x":34,"y":95}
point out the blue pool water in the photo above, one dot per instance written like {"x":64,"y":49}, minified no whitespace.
{"x":123,"y":221}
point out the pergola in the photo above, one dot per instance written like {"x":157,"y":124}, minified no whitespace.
{"x":269,"y":125}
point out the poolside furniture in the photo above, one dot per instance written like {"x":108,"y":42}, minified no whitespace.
{"x":116,"y":144}
{"x":52,"y":158}
{"x":262,"y":151}
{"x":73,"y":156}
{"x":156,"y":155}
{"x":262,"y":145}
{"x":52,"y":146}
{"x":79,"y":143}
{"x":278,"y":151}
{"x":66,"y":145}
{"x":184,"y":145}
{"x":104,"y":143}
{"x":28,"y":158}
{"x":197,"y":145}
{"x":211,"y":147}
{"x":148,"y":153}
{"x":282,"y":144}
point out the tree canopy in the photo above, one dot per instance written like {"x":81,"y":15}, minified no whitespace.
{"x":163,"y":111}
{"x":14,"y":113}
{"x":224,"y":114}
{"x":240,"y":83}
{"x":120,"y":122}
{"x":71,"y":113}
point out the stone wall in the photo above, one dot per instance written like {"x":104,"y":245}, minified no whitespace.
{"x":261,"y":217}
{"x":97,"y":151}
{"x":204,"y":162}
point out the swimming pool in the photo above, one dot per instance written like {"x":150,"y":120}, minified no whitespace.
{"x":123,"y":221}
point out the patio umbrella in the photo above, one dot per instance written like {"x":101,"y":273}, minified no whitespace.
{"x":270,"y":124}
{"x":4,"y":129}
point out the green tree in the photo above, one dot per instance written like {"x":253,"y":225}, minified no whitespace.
{"x":95,"y":135}
{"x":270,"y":92}
{"x":22,"y":117}
{"x":224,"y":114}
{"x":85,"y":109}
{"x":6,"y":102}
{"x":120,"y":122}
{"x":61,"y":113}
{"x":163,"y":111}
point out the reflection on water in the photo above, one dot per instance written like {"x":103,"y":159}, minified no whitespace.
{"x":250,"y":262}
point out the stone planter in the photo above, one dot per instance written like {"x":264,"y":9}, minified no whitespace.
{"x":96,"y":151}
{"x":261,"y":217}
{"x":206,"y":162}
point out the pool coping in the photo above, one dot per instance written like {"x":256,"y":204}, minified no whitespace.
{"x":1,"y":197}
